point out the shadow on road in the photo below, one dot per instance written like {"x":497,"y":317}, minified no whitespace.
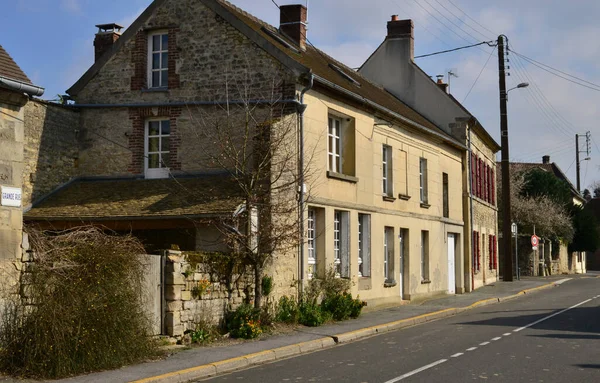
{"x":567,"y":336}
{"x":588,"y":365}
{"x":578,"y":320}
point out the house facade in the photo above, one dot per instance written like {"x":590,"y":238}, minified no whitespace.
{"x":392,"y":65}
{"x":381,"y":188}
{"x":15,"y":92}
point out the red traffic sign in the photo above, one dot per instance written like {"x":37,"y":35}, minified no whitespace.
{"x":535,"y":240}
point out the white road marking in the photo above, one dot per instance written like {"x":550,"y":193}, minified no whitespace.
{"x":561,"y":281}
{"x":496,"y":338}
{"x":413,"y":372}
{"x":506,"y":334}
{"x":551,"y":316}
{"x":484,"y":343}
{"x":457,"y":355}
{"x":471,"y":348}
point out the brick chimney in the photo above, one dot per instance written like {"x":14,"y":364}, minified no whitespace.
{"x":546,"y":159}
{"x":292,"y":23}
{"x":106,"y":37}
{"x":402,"y":29}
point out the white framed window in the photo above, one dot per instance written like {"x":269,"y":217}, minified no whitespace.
{"x":386,"y":166}
{"x":311,"y":242}
{"x":158,"y":58}
{"x":364,"y":245}
{"x":423,"y":179}
{"x":334,"y":148}
{"x":156,"y":148}
{"x":424,"y":255}
{"x":386,"y":269}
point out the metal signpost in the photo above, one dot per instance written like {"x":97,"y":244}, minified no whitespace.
{"x":513,"y":229}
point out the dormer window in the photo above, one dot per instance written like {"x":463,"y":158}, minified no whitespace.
{"x":158,"y":57}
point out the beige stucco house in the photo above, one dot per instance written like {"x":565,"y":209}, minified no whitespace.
{"x":393,"y":66}
{"x":385,"y":200}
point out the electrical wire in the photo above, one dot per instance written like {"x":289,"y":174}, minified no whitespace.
{"x":451,"y":22}
{"x":529,"y":59}
{"x":479,"y":75}
{"x":461,"y":20}
{"x":569,"y":167}
{"x":595,"y":88}
{"x":490,"y":43}
{"x":423,"y":24}
{"x":476,"y":22}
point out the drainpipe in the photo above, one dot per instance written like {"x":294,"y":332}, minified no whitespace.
{"x":470,"y":151}
{"x":301,"y":109}
{"x":20,"y":86}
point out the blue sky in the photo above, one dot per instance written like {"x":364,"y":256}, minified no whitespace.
{"x":52,"y":41}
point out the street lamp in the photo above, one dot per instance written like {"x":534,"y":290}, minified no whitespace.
{"x":506,"y":221}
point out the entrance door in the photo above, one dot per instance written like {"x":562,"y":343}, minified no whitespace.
{"x":451,"y":269}
{"x":401,"y":263}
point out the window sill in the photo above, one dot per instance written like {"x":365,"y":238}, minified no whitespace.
{"x":389,"y":198}
{"x":425,"y":281}
{"x":388,"y":284}
{"x":425,"y":205}
{"x":404,"y":197}
{"x":341,"y":177}
{"x":155,"y":90}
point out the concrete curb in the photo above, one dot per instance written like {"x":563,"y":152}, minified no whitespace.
{"x":228,"y":365}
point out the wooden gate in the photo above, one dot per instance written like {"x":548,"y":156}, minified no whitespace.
{"x":153,"y":291}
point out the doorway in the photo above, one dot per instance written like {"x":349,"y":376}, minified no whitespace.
{"x":451,"y":264}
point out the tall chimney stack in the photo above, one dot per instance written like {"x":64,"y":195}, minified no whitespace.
{"x":546,"y":159}
{"x":292,"y":23}
{"x":402,"y":29}
{"x":106,"y":37}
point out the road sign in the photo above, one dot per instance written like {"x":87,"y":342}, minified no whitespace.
{"x":513,"y":228}
{"x":534,"y":248}
{"x":534,"y":240}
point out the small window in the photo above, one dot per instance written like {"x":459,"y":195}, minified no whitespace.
{"x":157,"y":146}
{"x":387,"y":170}
{"x":364,"y":245}
{"x":334,"y":148}
{"x":340,"y":146}
{"x":445,"y":203}
{"x":158,"y":59}
{"x":341,"y":251}
{"x":424,"y":255}
{"x":423,"y":179}
{"x":311,"y":242}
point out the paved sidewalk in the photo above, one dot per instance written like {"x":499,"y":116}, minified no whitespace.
{"x":226,"y":358}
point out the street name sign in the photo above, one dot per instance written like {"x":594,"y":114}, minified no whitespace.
{"x":10,"y":196}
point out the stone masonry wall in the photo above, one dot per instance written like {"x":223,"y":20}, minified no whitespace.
{"x":50,"y":148}
{"x":193,"y":295}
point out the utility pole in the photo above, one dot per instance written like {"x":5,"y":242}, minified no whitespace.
{"x":587,"y":157}
{"x":577,"y":161}
{"x":506,"y":221}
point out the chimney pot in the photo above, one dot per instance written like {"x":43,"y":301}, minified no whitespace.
{"x":106,"y":37}
{"x":546,"y":159}
{"x":394,"y":17}
{"x":292,"y":23}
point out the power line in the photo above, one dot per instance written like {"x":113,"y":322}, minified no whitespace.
{"x":462,"y":21}
{"x":451,"y":22}
{"x":476,"y":22}
{"x":441,"y":22}
{"x":490,"y":43}
{"x":479,"y":75}
{"x":557,"y":75}
{"x":570,"y":166}
{"x":423,"y":24}
{"x":557,"y":70}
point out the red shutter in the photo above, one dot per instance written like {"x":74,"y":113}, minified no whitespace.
{"x":495,"y":253}
{"x":486,"y":195}
{"x":478,"y":177}
{"x":472,"y":164}
{"x":491,"y":252}
{"x":478,"y":252}
{"x":493,"y":187}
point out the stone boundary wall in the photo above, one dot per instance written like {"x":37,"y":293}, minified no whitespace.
{"x":193,"y":295}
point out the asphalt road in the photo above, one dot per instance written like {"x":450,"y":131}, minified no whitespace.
{"x":549,"y":336}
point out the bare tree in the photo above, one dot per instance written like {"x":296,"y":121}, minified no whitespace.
{"x":256,"y":143}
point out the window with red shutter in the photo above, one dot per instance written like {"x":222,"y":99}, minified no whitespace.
{"x":478,"y":177}
{"x":486,"y":183}
{"x":495,"y":253}
{"x":493,"y":187}
{"x":491,"y":252}
{"x":472,"y":173}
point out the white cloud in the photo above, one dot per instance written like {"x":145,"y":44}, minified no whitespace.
{"x":71,"y":6}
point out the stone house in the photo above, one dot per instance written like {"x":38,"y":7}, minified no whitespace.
{"x":556,"y":254}
{"x":393,"y":66}
{"x":382,"y":202}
